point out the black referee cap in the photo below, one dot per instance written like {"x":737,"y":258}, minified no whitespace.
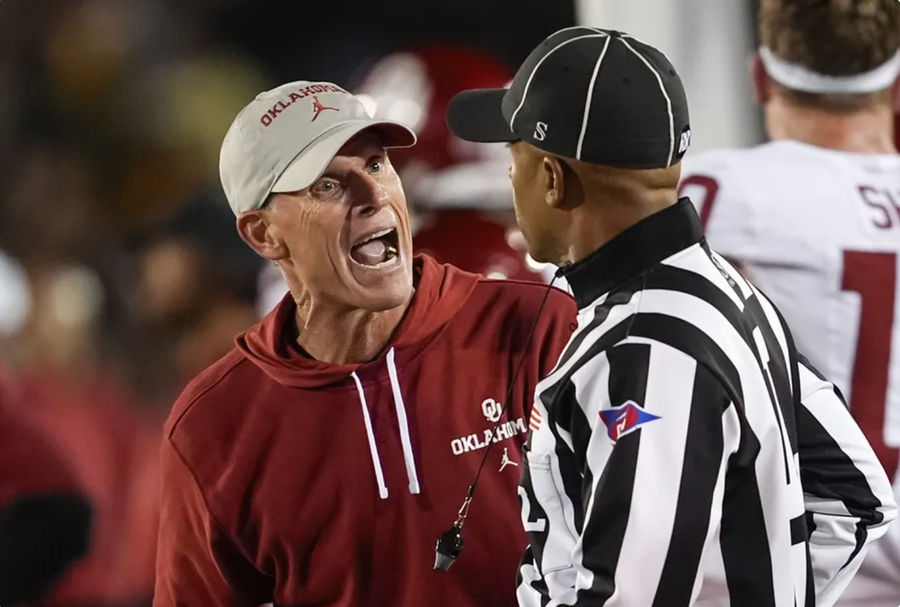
{"x":599,"y":96}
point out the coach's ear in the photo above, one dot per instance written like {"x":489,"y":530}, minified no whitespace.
{"x":762,"y":84}
{"x":261,"y":234}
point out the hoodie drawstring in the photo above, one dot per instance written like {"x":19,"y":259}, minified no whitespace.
{"x":402,"y":423}
{"x":373,"y":449}
{"x":404,"y":426}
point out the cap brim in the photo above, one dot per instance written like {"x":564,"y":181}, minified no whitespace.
{"x":476,"y":115}
{"x":312,"y":161}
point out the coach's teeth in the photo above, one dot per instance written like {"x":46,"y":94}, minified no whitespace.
{"x":377,"y":235}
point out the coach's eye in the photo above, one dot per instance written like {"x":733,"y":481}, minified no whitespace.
{"x":325,"y":187}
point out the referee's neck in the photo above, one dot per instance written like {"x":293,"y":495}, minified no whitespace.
{"x":613,"y":200}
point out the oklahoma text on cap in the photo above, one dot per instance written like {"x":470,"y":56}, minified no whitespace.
{"x":283,"y":140}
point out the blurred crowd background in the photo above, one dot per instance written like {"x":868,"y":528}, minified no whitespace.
{"x":121,"y":274}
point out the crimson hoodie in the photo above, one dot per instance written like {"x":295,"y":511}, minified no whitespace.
{"x":299,"y":482}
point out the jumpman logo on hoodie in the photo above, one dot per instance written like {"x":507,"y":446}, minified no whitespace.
{"x":505,"y":461}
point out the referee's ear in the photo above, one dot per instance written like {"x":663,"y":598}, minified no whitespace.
{"x":555,"y":178}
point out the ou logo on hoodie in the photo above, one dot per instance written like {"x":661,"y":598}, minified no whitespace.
{"x":492,"y":409}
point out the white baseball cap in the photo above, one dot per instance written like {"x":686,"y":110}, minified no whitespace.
{"x":284,"y":139}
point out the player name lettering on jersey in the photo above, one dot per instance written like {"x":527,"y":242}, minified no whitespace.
{"x":480,"y":440}
{"x":884,"y":206}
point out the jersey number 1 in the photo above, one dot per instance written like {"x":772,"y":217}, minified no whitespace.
{"x":874,"y":277}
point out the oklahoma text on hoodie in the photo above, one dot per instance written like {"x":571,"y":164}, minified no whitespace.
{"x":290,"y":480}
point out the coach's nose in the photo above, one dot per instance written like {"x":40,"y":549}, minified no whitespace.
{"x":371,"y":196}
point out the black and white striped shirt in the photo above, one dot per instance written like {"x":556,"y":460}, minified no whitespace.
{"x":685,"y":453}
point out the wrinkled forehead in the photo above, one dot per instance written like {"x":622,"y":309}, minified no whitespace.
{"x":365,"y":144}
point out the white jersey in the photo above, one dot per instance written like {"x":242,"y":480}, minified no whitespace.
{"x":819,"y":232}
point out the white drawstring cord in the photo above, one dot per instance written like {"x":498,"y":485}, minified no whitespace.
{"x":404,"y":426}
{"x":373,"y":449}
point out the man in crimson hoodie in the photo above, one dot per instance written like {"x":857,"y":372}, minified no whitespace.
{"x":318,"y":462}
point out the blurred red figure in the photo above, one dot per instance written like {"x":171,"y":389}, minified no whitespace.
{"x":112,"y":451}
{"x":458,"y":189}
{"x":45,"y":518}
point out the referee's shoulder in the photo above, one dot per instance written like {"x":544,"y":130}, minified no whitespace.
{"x":685,"y":291}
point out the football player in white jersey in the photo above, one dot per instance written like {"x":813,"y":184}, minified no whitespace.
{"x":813,"y":217}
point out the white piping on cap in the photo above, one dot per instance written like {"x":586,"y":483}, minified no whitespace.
{"x":800,"y":78}
{"x":535,"y":69}
{"x":404,"y":426}
{"x":665,"y":94}
{"x":373,"y":448}
{"x":574,"y":27}
{"x":590,"y":96}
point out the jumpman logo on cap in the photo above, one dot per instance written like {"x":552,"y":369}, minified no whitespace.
{"x":319,"y":107}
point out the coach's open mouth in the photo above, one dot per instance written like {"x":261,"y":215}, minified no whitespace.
{"x":376,"y":250}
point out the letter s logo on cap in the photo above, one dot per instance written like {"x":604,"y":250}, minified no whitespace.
{"x":540,"y":131}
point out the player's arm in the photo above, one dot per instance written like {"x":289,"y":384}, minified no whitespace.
{"x":196,"y":562}
{"x":649,"y":482}
{"x":849,"y":503}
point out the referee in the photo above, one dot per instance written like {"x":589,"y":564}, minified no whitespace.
{"x":682,"y":452}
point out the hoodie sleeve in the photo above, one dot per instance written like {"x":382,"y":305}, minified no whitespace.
{"x":197,"y":563}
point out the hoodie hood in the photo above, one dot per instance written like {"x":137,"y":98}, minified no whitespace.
{"x":441,"y":290}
